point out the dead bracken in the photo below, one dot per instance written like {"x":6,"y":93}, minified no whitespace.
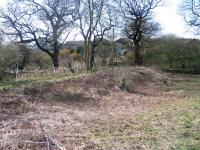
{"x":81,"y":113}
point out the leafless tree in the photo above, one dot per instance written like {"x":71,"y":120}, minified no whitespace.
{"x":46,"y":23}
{"x":95,"y":18}
{"x":139,"y":23}
{"x":191,"y":12}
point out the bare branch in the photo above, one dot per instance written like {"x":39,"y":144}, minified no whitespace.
{"x":45,"y":23}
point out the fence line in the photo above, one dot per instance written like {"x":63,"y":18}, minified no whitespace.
{"x":61,"y":71}
{"x":51,"y":72}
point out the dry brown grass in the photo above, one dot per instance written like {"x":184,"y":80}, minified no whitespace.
{"x":81,"y":113}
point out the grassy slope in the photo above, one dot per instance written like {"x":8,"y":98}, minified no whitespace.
{"x":30,"y":82}
{"x":171,"y":125}
{"x":174,"y":125}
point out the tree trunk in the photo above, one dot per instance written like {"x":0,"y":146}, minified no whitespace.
{"x":55,"y":59}
{"x":1,"y":75}
{"x":92,"y":58}
{"x":183,"y":65}
{"x":87,"y":52}
{"x":137,"y":54}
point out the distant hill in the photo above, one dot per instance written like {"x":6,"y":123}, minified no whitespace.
{"x":73,"y":44}
{"x":123,"y":41}
{"x":120,"y":44}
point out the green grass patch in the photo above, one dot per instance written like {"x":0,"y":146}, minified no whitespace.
{"x":6,"y":85}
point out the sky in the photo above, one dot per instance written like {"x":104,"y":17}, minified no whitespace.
{"x":168,"y":16}
{"x":3,"y":2}
{"x":170,"y":19}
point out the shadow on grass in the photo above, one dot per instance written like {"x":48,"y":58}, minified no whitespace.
{"x":180,"y":71}
{"x":71,"y":97}
{"x":49,"y":92}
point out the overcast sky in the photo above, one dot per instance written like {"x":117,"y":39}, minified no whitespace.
{"x":168,"y":16}
{"x":170,"y":19}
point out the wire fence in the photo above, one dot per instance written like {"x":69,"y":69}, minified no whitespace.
{"x":51,"y":72}
{"x":64,"y":71}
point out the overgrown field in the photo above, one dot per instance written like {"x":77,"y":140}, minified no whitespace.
{"x":115,"y":109}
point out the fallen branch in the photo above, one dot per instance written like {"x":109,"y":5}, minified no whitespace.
{"x":75,"y":136}
{"x":35,"y":142}
{"x":58,"y":145}
{"x":48,"y":144}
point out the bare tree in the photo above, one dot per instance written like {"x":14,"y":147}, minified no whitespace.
{"x":139,"y":23}
{"x":94,"y":20}
{"x":46,"y":23}
{"x":191,"y":12}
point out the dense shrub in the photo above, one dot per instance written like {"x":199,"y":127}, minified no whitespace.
{"x":10,"y":58}
{"x":25,"y":52}
{"x":171,"y":52}
{"x":42,"y":60}
{"x":129,"y":56}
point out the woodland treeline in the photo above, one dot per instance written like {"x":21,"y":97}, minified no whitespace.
{"x":43,"y":33}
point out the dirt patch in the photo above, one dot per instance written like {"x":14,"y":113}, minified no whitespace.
{"x":134,"y":78}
